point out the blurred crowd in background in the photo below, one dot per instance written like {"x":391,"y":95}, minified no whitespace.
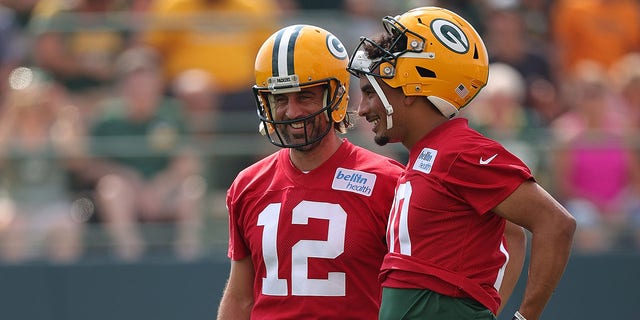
{"x":122,"y":122}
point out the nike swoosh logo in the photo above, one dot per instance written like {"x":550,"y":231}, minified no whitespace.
{"x":482,"y":161}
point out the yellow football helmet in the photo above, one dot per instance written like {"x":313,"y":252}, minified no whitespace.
{"x":296,"y":57}
{"x":430,"y":51}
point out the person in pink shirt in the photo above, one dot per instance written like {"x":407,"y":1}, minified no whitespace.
{"x":594,"y":168}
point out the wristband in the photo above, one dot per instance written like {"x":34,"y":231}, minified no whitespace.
{"x":518,"y":316}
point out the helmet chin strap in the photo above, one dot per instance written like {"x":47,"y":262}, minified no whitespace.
{"x":360,"y":63}
{"x":326,"y":103}
{"x":385,"y":102}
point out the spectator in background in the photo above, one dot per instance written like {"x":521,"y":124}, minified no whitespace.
{"x":22,"y":8}
{"x":13,"y":44}
{"x":144,"y":171}
{"x":77,"y":43}
{"x":594,"y":166}
{"x":362,"y":16}
{"x":598,"y":30}
{"x":199,"y":95}
{"x":221,"y":37}
{"x":17,"y":13}
{"x":510,"y":43}
{"x":40,"y":142}
{"x":536,"y":19}
{"x":200,"y":100}
{"x":625,"y":74}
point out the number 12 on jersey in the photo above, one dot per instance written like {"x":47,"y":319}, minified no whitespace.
{"x":331,"y":248}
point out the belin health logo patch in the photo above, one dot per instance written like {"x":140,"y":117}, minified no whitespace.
{"x":354,"y":181}
{"x":425,"y":160}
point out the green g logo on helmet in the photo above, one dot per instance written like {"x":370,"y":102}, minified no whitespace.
{"x":450,"y":35}
{"x":336,"y":47}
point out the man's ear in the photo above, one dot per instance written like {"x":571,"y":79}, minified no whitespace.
{"x":409,"y":100}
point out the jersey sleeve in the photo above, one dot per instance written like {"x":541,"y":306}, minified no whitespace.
{"x":237,"y":248}
{"x":487,"y":175}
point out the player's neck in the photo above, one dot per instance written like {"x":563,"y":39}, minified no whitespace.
{"x":419,"y":122}
{"x":311,"y":159}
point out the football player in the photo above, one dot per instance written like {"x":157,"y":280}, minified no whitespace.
{"x":307,"y":223}
{"x":447,"y":252}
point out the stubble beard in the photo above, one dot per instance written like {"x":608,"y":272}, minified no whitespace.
{"x":311,"y":135}
{"x":381,"y":140}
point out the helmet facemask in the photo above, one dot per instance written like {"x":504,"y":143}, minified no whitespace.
{"x":275,"y":129}
{"x":293,"y":59}
{"x":386,"y":55}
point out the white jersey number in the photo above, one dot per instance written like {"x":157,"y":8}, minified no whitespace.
{"x":398,"y":225}
{"x":301,"y":285}
{"x":398,"y":220}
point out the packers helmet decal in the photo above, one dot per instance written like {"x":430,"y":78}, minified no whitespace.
{"x":282,"y":55}
{"x":336,"y":47}
{"x":450,"y":35}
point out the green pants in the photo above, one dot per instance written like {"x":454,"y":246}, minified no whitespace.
{"x":425,"y":304}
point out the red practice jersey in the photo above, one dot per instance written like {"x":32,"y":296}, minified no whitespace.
{"x":442,"y":233}
{"x":316,"y":239}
